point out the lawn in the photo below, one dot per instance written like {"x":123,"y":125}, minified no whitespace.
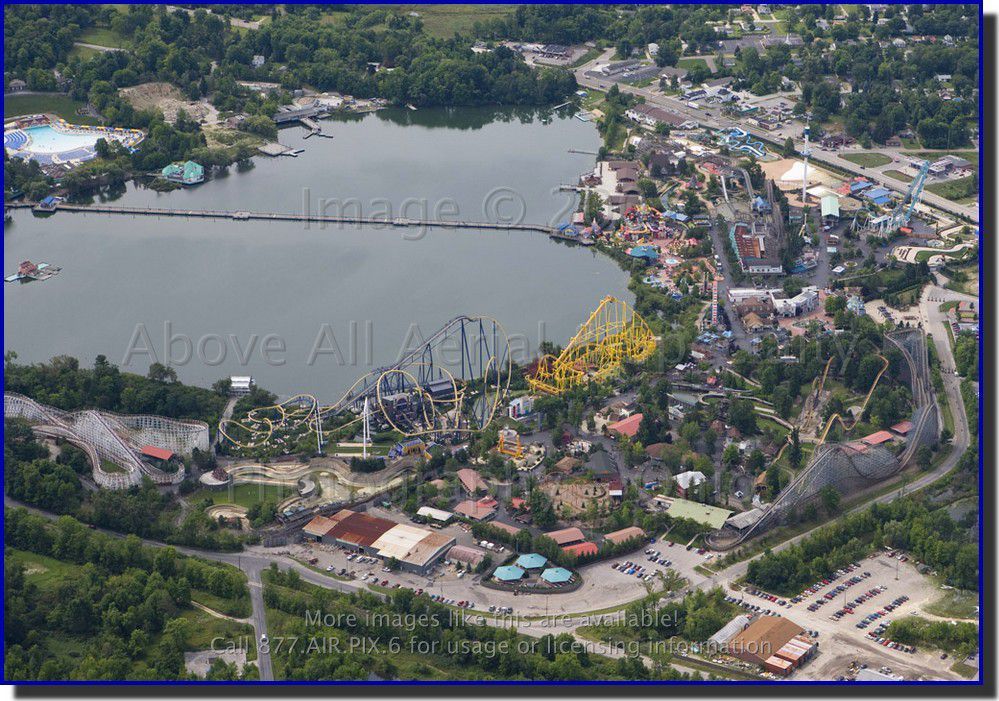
{"x":868,"y":160}
{"x":102,"y":36}
{"x":962,"y":190}
{"x":689,"y":63}
{"x":443,"y":21}
{"x":206,"y":627}
{"x":60,"y":105}
{"x":41,"y":570}
{"x":84,"y":53}
{"x":898,"y":175}
{"x":237,"y":608}
{"x":954,"y":603}
{"x":245,"y":495}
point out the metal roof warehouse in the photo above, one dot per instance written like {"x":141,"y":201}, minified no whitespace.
{"x":416,"y":549}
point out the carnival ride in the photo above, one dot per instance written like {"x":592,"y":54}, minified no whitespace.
{"x":853,"y":465}
{"x":451,"y":383}
{"x":613,"y":333}
{"x":111,"y":441}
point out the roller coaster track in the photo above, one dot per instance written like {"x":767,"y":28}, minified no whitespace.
{"x":853,"y":464}
{"x":443,"y":398}
{"x":613,"y":333}
{"x":837,"y":417}
{"x":104,"y":436}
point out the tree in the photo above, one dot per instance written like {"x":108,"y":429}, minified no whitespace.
{"x":794,"y":454}
{"x":830,"y":499}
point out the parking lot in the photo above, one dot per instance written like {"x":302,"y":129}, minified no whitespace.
{"x":874,"y":592}
{"x":603,"y":587}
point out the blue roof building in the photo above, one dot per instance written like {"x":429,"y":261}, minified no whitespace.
{"x":646,"y":252}
{"x":556,"y":575}
{"x":858,"y":185}
{"x":878,"y":195}
{"x":532,"y":561}
{"x":509,"y":573}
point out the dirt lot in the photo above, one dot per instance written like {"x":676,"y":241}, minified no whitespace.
{"x":576,"y":495}
{"x":169,"y":100}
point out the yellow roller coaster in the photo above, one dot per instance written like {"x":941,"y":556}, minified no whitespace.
{"x":612,"y":334}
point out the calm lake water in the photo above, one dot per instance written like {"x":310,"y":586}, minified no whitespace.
{"x":225,"y":291}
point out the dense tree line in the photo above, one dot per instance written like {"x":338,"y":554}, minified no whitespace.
{"x":32,"y":478}
{"x":455,"y":650}
{"x":62,"y":383}
{"x":122,"y":610}
{"x":929,"y":534}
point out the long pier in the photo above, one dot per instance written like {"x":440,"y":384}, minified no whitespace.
{"x":290,"y":217}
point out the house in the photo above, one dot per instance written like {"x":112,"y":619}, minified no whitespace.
{"x":650,"y":116}
{"x":187,"y":173}
{"x":481,"y":510}
{"x":16,"y":85}
{"x":257,"y":61}
{"x":687,"y":481}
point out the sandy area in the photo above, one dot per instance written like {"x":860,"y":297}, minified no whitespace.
{"x":169,"y":100}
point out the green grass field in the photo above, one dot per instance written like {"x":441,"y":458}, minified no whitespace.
{"x":868,"y":160}
{"x":689,"y":63}
{"x":84,"y":53}
{"x":61,"y":105}
{"x":102,"y":36}
{"x":245,"y":495}
{"x":954,"y":603}
{"x":41,"y":570}
{"x":898,"y":175}
{"x":442,"y":21}
{"x":237,"y":608}
{"x":961,"y":190}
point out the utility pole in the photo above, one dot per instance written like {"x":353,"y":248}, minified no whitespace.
{"x":366,"y":430}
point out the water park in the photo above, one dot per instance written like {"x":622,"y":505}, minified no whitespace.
{"x":53,"y":141}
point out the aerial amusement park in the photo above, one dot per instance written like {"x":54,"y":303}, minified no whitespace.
{"x":450,"y":387}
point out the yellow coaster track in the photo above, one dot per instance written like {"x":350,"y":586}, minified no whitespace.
{"x":613,"y":333}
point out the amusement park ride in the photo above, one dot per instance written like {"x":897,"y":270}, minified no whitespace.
{"x":421,"y":396}
{"x":612,"y":334}
{"x":901,"y":215}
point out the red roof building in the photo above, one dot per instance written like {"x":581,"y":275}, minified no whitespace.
{"x":627,"y":427}
{"x":151,"y":451}
{"x":567,"y":536}
{"x":878,"y":438}
{"x":580,"y":549}
{"x":902,"y":428}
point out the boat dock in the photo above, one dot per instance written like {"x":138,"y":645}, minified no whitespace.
{"x":29,"y":272}
{"x":307,"y":218}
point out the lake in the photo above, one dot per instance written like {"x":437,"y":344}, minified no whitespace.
{"x":311,"y":308}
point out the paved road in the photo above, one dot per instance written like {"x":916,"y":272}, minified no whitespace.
{"x":717,"y":121}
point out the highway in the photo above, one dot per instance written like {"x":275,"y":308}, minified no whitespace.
{"x":717,"y":121}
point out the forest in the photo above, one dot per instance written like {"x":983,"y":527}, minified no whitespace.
{"x":91,"y":606}
{"x":63,"y":384}
{"x":927,"y":533}
{"x":32,"y":477}
{"x":410,"y":637}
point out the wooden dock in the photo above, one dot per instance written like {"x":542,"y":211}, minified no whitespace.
{"x":308,"y":218}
